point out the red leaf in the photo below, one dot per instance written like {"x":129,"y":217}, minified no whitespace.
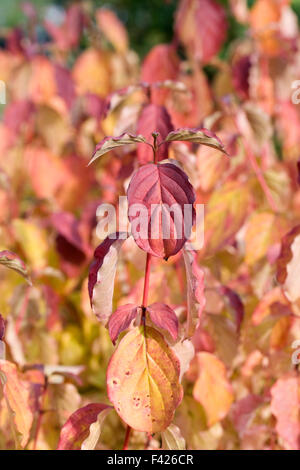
{"x":201,"y":25}
{"x":164,"y":317}
{"x":235,"y":303}
{"x":153,"y":119}
{"x":160,"y":186}
{"x":77,"y":427}
{"x":69,"y":244}
{"x":240,"y":76}
{"x":2,"y":327}
{"x":121,"y":319}
{"x":285,"y":406}
{"x":152,"y":70}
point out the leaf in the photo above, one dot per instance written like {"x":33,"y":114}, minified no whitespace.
{"x":95,"y":430}
{"x":201,"y":26}
{"x":102,"y":274}
{"x":12,"y":261}
{"x":112,"y":28}
{"x":2,"y":327}
{"x":225,"y":214}
{"x":235,"y":304}
{"x":77,"y":428}
{"x":110,"y":143}
{"x":152,"y":71}
{"x":263,"y":230}
{"x":285,"y":406}
{"x":164,"y":317}
{"x":197,"y":136}
{"x":91,"y":72}
{"x":195,"y":291}
{"x":121,"y":319}
{"x":143,"y":380}
{"x":172,"y":438}
{"x":33,"y":241}
{"x":288,"y":264}
{"x":153,"y":190}
{"x":153,"y":118}
{"x":212,"y":388}
{"x":17,"y":393}
{"x":263,"y":309}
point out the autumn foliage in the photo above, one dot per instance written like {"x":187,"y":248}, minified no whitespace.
{"x":145,"y":342}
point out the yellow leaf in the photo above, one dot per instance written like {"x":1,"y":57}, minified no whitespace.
{"x":33,"y":242}
{"x":143,"y":380}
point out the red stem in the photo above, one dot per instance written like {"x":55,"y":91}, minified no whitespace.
{"x":146,"y":280}
{"x":127,"y":436}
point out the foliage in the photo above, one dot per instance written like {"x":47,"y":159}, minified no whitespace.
{"x":193,"y":347}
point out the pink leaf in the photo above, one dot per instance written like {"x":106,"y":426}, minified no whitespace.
{"x":201,"y":25}
{"x":164,"y":317}
{"x":120,"y":320}
{"x":285,"y":407}
{"x":153,"y":119}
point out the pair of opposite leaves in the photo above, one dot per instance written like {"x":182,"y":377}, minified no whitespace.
{"x":159,"y":194}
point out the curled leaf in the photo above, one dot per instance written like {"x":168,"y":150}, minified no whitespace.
{"x":195,"y":291}
{"x":77,"y":428}
{"x":102,"y":274}
{"x":12,"y":261}
{"x":110,"y":143}
{"x":143,"y":380}
{"x":172,"y":438}
{"x":95,"y":430}
{"x":197,"y":136}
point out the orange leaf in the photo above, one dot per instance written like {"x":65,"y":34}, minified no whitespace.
{"x":17,"y":393}
{"x":212,"y":388}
